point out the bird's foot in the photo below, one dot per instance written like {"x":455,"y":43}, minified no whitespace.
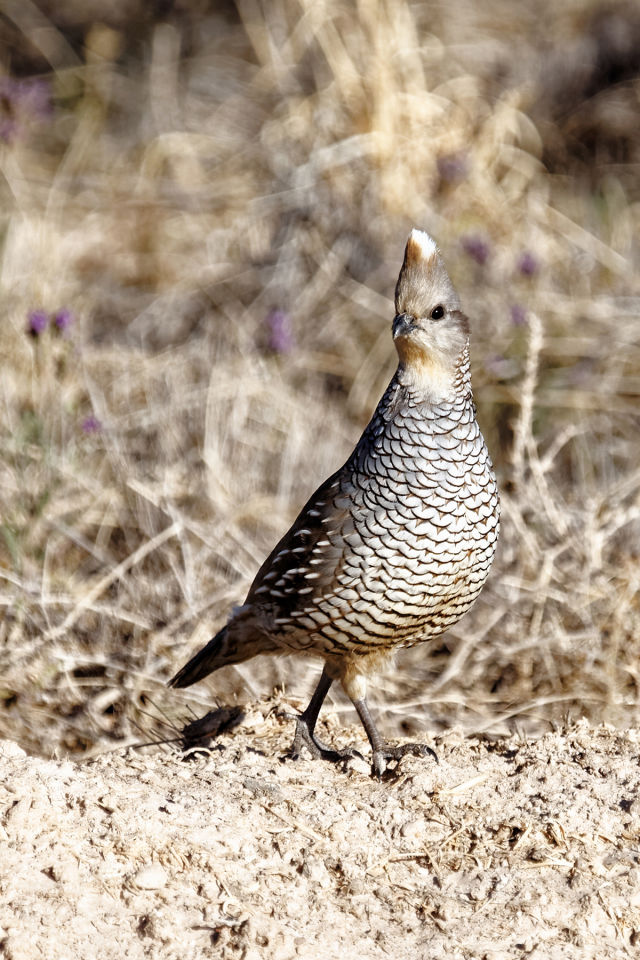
{"x":306,"y":738}
{"x":388,"y":752}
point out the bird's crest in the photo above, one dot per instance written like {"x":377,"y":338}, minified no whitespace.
{"x":423,"y":280}
{"x":420,"y":247}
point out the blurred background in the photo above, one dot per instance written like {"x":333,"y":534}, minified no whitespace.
{"x":203,"y":212}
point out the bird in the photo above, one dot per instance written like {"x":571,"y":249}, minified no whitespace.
{"x":395,"y":546}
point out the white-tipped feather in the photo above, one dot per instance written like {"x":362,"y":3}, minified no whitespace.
{"x":424,"y":241}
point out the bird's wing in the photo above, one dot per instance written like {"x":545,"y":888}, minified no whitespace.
{"x":310,"y":559}
{"x":321,"y":560}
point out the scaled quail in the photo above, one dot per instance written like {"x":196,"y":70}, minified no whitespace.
{"x":394,"y":547}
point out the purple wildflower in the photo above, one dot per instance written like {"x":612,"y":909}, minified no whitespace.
{"x":502,"y":368}
{"x":280,"y":338}
{"x":62,"y":319}
{"x":528,"y":264}
{"x":476,"y":247}
{"x":34,"y":97}
{"x":22,"y":101}
{"x":518,"y":315}
{"x":91,"y":424}
{"x":37,"y":321}
{"x":493,"y":363}
{"x":452,"y":167}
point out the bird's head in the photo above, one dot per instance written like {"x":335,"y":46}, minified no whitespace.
{"x":430,"y":331}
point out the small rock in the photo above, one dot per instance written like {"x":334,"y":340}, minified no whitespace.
{"x":11,"y":751}
{"x":260,"y":787}
{"x":67,"y":872}
{"x":16,"y":816}
{"x":317,"y":873}
{"x":151,"y":877}
{"x":413,"y":830}
{"x":357,"y":764}
{"x":339,"y":831}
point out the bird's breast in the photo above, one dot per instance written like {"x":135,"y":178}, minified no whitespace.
{"x":409,"y":532}
{"x":425,"y":507}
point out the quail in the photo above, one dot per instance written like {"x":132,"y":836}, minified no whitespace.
{"x":393,"y":548}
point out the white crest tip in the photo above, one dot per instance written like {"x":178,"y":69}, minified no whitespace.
{"x":422,"y":240}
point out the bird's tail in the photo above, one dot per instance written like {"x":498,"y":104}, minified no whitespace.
{"x":230,"y":645}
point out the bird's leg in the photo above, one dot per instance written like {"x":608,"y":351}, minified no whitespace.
{"x":381,"y":749}
{"x":306,"y":723}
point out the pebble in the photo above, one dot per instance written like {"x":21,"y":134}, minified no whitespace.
{"x":151,"y":877}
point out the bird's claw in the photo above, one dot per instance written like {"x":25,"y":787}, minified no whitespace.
{"x":318,"y":750}
{"x":388,"y":752}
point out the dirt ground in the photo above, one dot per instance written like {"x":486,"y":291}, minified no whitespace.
{"x":502,"y":849}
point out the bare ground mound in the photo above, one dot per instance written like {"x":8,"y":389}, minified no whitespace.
{"x":503,"y":849}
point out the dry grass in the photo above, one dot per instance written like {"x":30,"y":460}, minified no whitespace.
{"x":171,"y":202}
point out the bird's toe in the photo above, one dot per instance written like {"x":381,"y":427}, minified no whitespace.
{"x":305,"y":738}
{"x":388,"y":752}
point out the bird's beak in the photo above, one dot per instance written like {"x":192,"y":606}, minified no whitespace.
{"x":402,"y":325}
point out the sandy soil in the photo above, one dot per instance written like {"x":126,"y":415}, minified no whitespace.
{"x":502,"y":849}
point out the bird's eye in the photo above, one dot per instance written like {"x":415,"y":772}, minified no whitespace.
{"x":437,"y":313}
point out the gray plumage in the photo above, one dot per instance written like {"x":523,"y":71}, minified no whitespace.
{"x":394,"y":547}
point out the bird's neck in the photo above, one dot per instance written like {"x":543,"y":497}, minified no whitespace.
{"x":435,"y":377}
